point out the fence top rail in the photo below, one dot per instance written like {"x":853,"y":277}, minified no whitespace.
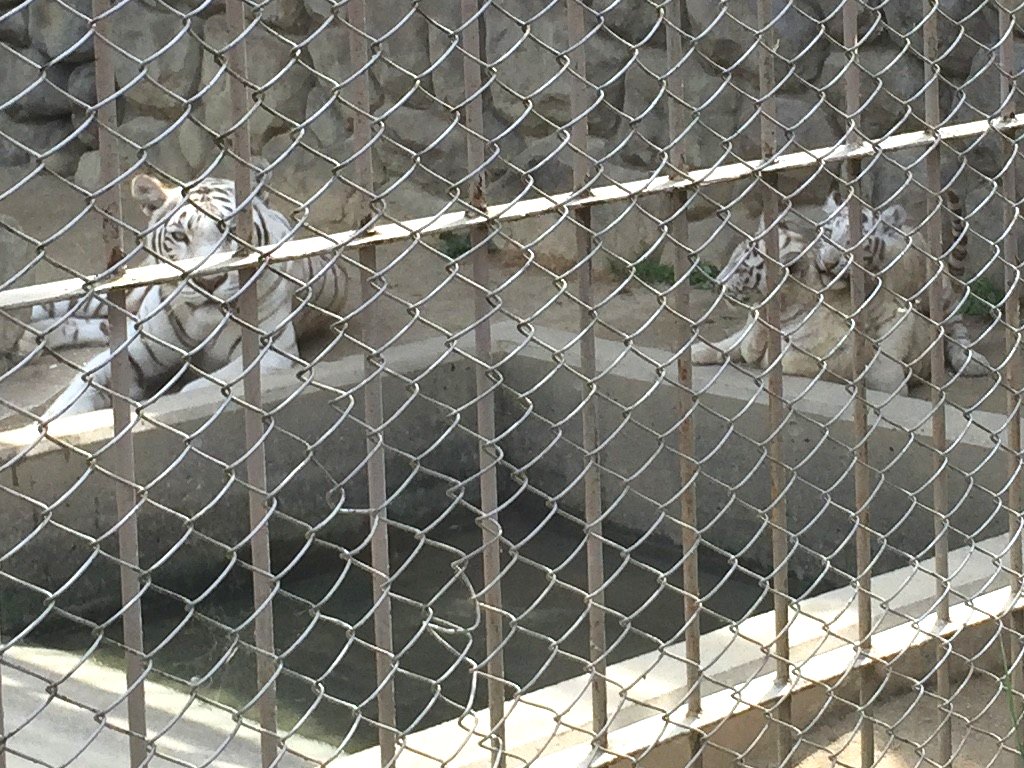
{"x":398,"y":231}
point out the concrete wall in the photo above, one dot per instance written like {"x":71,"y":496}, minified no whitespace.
{"x":59,"y":512}
{"x":640,"y":466}
{"x":60,"y":516}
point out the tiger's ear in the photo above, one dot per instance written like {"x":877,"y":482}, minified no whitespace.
{"x":149,"y":192}
{"x":833,"y":202}
{"x":261,"y":172}
{"x":895,"y":216}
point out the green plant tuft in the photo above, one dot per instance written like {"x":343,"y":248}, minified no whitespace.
{"x":651,"y":271}
{"x":703,"y":276}
{"x":982,"y":298}
{"x":454,"y":244}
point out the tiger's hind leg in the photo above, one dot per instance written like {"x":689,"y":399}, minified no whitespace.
{"x":959,"y":355}
{"x":68,"y":323}
{"x":71,"y":332}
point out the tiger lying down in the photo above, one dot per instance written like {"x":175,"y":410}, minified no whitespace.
{"x":815,"y":302}
{"x":187,"y":319}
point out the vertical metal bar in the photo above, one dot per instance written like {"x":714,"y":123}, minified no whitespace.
{"x":861,"y":467}
{"x":936,"y":311}
{"x":123,"y":452}
{"x":490,"y":527}
{"x":1014,"y":497}
{"x":373,"y":405}
{"x":686,"y":440}
{"x":255,"y":463}
{"x":588,"y":367}
{"x":776,"y":403}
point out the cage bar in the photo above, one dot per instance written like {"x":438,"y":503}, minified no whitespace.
{"x":862,"y":352}
{"x":260,"y":510}
{"x":781,"y":713}
{"x":486,"y":381}
{"x":683,"y":262}
{"x":1013,"y":376}
{"x":937,"y":315}
{"x":123,"y":452}
{"x":373,"y":394}
{"x":592,"y":503}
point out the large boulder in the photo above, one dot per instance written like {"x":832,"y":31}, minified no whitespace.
{"x":891,"y":88}
{"x":36,"y":85}
{"x":14,"y":27}
{"x":306,"y":186}
{"x":964,"y":28}
{"x":534,"y":88}
{"x":287,"y":16}
{"x":82,"y":87}
{"x":726,"y":34}
{"x":61,"y":30}
{"x":49,"y":138}
{"x":281,"y":81}
{"x":161,"y":69}
{"x":637,"y":22}
{"x":145,"y":143}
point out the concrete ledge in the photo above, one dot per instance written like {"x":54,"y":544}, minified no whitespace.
{"x":59,"y":710}
{"x":551,"y":727}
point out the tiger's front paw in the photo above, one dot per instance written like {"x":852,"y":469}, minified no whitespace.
{"x":704,"y":354}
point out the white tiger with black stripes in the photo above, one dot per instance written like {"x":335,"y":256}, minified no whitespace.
{"x":814,"y":310}
{"x":816,"y":305}
{"x":901,"y":261}
{"x":180,"y":323}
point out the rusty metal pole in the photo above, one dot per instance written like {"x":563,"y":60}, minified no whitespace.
{"x":686,"y":438}
{"x":490,"y":527}
{"x":861,"y":467}
{"x":936,"y":311}
{"x":123,"y":451}
{"x":592,"y":503}
{"x":778,"y":473}
{"x":373,"y":405}
{"x":263,"y":581}
{"x":1014,"y":494}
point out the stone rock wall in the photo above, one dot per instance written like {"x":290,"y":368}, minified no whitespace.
{"x":173,"y":106}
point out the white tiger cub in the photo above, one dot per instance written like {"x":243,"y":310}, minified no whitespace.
{"x":186,"y":322}
{"x":815,"y":319}
{"x":901,"y":261}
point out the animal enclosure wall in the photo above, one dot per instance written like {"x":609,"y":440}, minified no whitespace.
{"x":544,"y":333}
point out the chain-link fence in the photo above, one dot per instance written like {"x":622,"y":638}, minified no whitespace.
{"x":561,"y":382}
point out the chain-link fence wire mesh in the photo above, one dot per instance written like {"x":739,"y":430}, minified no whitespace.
{"x":556,"y":334}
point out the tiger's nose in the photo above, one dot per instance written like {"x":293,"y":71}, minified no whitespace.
{"x":212,"y":283}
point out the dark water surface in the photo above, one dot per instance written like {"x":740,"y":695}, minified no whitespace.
{"x":324,"y":628}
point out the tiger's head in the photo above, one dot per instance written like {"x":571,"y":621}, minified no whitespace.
{"x":746,"y":271}
{"x":187,"y":225}
{"x":880,"y":231}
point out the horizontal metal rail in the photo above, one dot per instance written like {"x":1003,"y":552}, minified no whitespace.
{"x":399,"y":231}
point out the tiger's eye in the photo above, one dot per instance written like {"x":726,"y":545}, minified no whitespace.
{"x":179,"y":237}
